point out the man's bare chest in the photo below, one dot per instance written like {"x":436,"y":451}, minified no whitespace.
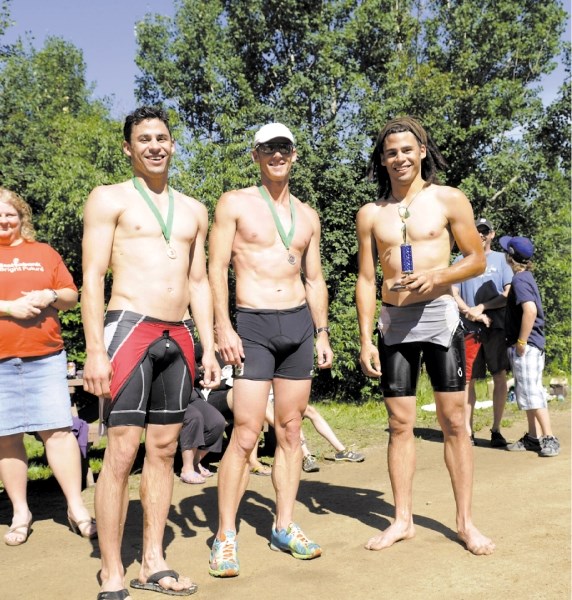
{"x":260,"y":228}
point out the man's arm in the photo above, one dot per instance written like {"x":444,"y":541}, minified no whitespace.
{"x":99,"y":223}
{"x":466,"y":310}
{"x":463,"y":306}
{"x":220,"y":247}
{"x":201,"y":300}
{"x":497,"y":302}
{"x":366,"y":291}
{"x":317,"y":294}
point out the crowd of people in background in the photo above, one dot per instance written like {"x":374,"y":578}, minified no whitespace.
{"x":254,"y":369}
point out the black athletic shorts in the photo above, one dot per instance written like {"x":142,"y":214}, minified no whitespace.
{"x":492,"y":354}
{"x":401,"y":364}
{"x":277,"y":343}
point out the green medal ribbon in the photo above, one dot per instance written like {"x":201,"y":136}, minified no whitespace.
{"x":286,"y":239}
{"x":165,"y":228}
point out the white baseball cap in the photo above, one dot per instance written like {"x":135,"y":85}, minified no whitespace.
{"x":273,"y":131}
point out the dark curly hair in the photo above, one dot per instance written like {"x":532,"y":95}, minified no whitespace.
{"x":430,"y":165}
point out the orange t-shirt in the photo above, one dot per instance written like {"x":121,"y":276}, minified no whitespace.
{"x":23,"y":268}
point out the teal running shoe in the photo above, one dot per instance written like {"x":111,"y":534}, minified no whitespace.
{"x":223,"y":561}
{"x":294,"y":541}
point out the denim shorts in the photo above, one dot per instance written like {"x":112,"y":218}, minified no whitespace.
{"x":34,"y":394}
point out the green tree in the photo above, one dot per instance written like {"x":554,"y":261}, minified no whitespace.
{"x":550,"y":223}
{"x":334,"y":71}
{"x":56,"y":146}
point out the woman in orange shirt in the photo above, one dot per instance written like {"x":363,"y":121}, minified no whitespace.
{"x":34,"y":396}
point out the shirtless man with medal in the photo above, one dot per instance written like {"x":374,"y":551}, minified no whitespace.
{"x":411,"y":229}
{"x":270,"y":238}
{"x":140,"y":350}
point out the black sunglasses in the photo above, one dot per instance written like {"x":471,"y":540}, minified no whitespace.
{"x":272,"y":148}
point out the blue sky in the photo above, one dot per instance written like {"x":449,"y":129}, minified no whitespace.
{"x":104,"y":31}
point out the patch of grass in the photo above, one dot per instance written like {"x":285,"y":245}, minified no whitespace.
{"x":358,"y":425}
{"x":38,"y":472}
{"x":95,"y":465}
{"x":34,"y":447}
{"x":363,"y":425}
{"x":353,"y":424}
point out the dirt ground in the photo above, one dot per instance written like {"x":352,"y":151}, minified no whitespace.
{"x":520,"y":500}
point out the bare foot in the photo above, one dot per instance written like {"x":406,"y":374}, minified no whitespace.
{"x":192,"y":477}
{"x":394,"y":533}
{"x":475,"y":541}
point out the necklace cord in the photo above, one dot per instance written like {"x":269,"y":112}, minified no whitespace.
{"x":403,"y":212}
{"x":286,"y":238}
{"x":166,"y":228}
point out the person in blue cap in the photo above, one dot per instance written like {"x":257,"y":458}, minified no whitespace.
{"x":524,"y":327}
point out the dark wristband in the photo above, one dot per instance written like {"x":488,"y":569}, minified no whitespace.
{"x":320,"y":329}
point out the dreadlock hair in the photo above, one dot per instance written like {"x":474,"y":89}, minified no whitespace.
{"x":24,"y":211}
{"x":141,"y":114}
{"x":432,"y":162}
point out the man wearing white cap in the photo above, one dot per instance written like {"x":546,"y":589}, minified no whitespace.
{"x":270,"y":238}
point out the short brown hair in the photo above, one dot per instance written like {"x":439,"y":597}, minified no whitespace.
{"x":142,"y":114}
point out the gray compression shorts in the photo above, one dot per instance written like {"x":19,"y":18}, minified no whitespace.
{"x":277,"y":343}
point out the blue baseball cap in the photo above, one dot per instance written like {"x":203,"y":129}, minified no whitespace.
{"x":520,"y":248}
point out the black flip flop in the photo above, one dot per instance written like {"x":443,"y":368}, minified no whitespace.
{"x":118,"y":595}
{"x":152,"y":584}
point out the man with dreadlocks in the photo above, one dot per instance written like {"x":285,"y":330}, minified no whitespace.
{"x":412,"y":227}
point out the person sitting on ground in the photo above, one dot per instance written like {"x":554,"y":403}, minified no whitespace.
{"x":34,"y":394}
{"x":203,"y":427}
{"x":309,"y":463}
{"x":202,"y":431}
{"x":524,"y":326}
